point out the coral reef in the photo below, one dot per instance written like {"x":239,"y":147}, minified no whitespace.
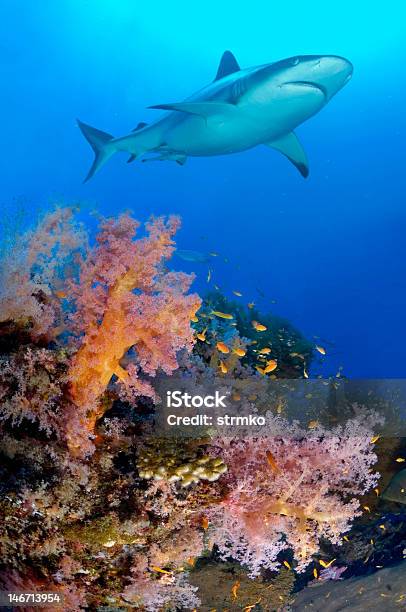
{"x":33,"y":272}
{"x":290,"y":488}
{"x":125,"y":299}
{"x":272,"y":346}
{"x":97,"y":504}
{"x":31,"y":387}
{"x":172,"y":461}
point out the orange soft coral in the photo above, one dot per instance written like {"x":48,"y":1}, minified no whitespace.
{"x":126,"y":299}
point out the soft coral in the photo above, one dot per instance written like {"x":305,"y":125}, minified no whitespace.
{"x":288,"y":488}
{"x":126,"y":298}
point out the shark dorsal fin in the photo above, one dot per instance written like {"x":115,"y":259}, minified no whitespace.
{"x":228,"y":65}
{"x":140,"y":126}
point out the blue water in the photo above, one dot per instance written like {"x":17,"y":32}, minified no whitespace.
{"x":329,"y":250}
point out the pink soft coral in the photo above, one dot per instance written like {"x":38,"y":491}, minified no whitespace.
{"x":160,"y":592}
{"x":290,"y":488}
{"x":31,"y":387}
{"x":125,"y":298}
{"x":31,"y":277}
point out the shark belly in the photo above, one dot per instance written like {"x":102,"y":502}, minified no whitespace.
{"x":256,"y":119}
{"x":196,"y":136}
{"x":283,"y":109}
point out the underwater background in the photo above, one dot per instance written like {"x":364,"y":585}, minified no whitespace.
{"x":328,"y":253}
{"x":299,"y":292}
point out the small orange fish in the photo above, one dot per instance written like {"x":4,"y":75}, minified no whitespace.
{"x":251,"y":305}
{"x":326,"y":564}
{"x":191,"y":561}
{"x":400,"y":460}
{"x":321,"y":349}
{"x":236,"y":397}
{"x":240,"y":352}
{"x":194,"y":319}
{"x":265,"y":351}
{"x":202,"y":335}
{"x":205,"y":522}
{"x":237,"y":293}
{"x":375,"y":439}
{"x":258,"y":326}
{"x":235,"y":588}
{"x":272,"y":461}
{"x":223,"y":348}
{"x":62,"y":295}
{"x":271,"y":365}
{"x":249,"y":608}
{"x":260,"y":370}
{"x":222,"y":315}
{"x":315,"y":573}
{"x":155,"y":568}
{"x":287,"y":564}
{"x":223,"y":367}
{"x":313,"y":424}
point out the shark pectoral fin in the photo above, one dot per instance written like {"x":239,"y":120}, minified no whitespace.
{"x":290,"y":146}
{"x":228,"y":65}
{"x":203,"y":109}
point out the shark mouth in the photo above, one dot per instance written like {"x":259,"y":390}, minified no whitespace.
{"x":310,"y":84}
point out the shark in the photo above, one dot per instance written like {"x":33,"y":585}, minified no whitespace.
{"x":239,"y":110}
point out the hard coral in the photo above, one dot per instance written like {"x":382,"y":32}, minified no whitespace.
{"x":125,"y":299}
{"x":163,"y":459}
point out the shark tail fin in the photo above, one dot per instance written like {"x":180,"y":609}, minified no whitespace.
{"x":99,"y":141}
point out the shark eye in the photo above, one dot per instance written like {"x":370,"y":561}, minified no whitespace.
{"x":295,"y":61}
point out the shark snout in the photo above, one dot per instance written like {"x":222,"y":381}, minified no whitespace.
{"x":331,"y":73}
